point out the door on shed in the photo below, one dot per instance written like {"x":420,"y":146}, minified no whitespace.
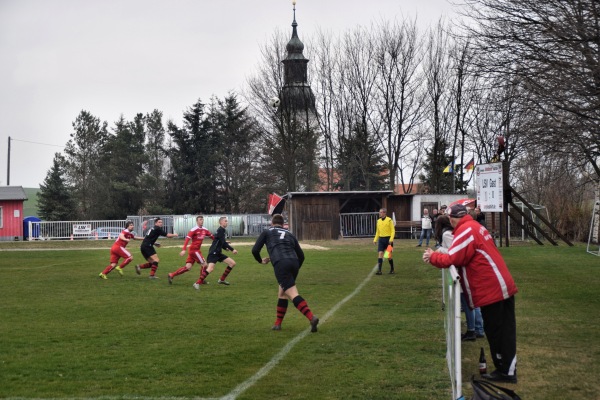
{"x":319,"y":221}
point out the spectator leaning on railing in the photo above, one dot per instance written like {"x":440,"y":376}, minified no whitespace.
{"x":488,"y":284}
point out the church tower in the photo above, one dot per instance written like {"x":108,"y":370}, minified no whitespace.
{"x":296,"y":120}
{"x":296,"y":94}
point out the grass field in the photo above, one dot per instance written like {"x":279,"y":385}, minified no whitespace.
{"x":64,"y":333}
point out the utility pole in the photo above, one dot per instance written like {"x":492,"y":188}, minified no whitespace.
{"x":8,"y":166}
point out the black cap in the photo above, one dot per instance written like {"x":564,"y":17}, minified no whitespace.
{"x":457,"y":211}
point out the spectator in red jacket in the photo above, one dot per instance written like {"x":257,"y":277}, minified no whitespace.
{"x":488,"y":284}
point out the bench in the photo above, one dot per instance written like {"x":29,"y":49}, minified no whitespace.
{"x":408,"y":229}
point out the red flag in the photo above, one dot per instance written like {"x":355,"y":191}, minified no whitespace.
{"x":276,"y":204}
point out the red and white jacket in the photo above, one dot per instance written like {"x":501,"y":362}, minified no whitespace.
{"x":484,"y":275}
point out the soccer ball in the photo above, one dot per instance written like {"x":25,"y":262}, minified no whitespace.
{"x":274,"y":102}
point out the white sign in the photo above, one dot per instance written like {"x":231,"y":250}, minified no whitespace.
{"x":82,"y":229}
{"x":490,"y":192}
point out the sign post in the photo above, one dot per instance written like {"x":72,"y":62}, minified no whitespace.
{"x":489,"y":185}
{"x":490,"y":190}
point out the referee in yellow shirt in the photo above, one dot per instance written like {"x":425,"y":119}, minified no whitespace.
{"x":384,"y":235}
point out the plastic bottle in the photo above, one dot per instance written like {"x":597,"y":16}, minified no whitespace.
{"x":482,"y":363}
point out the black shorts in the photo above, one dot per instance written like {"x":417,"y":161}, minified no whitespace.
{"x":286,"y":272}
{"x":383,"y":243}
{"x":214,"y":258}
{"x":148,"y":251}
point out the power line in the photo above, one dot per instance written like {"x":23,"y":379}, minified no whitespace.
{"x":8,"y":156}
{"x":27,"y":141}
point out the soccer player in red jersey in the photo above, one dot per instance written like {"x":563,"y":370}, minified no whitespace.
{"x":196,"y":235}
{"x":118,"y":251}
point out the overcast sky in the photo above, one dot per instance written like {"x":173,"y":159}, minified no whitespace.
{"x":113,"y":57}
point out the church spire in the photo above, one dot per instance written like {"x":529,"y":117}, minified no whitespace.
{"x":296,"y":92}
{"x":295,"y":63}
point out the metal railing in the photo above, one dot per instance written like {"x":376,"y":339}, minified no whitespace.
{"x":358,"y":224}
{"x":240,"y":225}
{"x":63,"y":230}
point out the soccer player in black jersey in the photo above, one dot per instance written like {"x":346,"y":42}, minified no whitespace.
{"x":287,"y":257}
{"x":215,"y":254}
{"x":148,"y":250}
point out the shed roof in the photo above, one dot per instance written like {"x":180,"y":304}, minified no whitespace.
{"x":12,"y":193}
{"x":289,"y":195}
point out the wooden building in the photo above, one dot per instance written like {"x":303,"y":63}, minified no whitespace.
{"x":11,"y":212}
{"x":316,"y":215}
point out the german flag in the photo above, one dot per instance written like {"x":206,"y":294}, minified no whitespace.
{"x":470,"y":165}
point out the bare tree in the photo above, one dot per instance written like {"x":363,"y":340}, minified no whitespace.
{"x":324,"y":78}
{"x":400,"y":101}
{"x":437,"y":72}
{"x":551,"y":47}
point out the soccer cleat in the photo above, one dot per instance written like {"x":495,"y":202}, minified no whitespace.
{"x":138,"y":270}
{"x":392,"y":272}
{"x":378,"y":273}
{"x":276,"y":328}
{"x":103,"y":276}
{"x":170,"y":278}
{"x":220,"y":282}
{"x":153,"y":277}
{"x":196,"y":286}
{"x":313,"y":324}
{"x":498,"y":376}
{"x":119,"y":270}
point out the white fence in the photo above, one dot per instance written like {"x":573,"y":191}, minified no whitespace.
{"x":239,"y":225}
{"x":451,"y":304}
{"x":62,"y":230}
{"x":351,"y":225}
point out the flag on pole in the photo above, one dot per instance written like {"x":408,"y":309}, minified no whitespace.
{"x":448,"y":169}
{"x":276,"y":204}
{"x":470,"y":165}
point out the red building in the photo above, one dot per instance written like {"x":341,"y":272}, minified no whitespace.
{"x":11,"y":212}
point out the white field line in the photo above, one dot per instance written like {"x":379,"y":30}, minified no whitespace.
{"x":288,"y":347}
{"x":242,"y":387}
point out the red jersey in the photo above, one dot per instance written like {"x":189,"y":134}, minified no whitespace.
{"x":484,"y":275}
{"x":196,"y":235}
{"x":121,"y":243}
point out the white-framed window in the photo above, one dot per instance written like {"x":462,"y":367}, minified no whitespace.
{"x":1,"y":219}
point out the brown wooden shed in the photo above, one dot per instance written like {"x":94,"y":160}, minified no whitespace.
{"x":316,"y":215}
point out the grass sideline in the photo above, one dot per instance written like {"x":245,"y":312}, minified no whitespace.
{"x":64,"y":333}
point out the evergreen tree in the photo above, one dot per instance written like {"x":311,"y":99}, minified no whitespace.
{"x":55,"y":200}
{"x":192,"y":184}
{"x":433,"y":177}
{"x":123,"y":163}
{"x":84,"y":165}
{"x":360,"y":163}
{"x":153,"y":179}
{"x":237,"y":160}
